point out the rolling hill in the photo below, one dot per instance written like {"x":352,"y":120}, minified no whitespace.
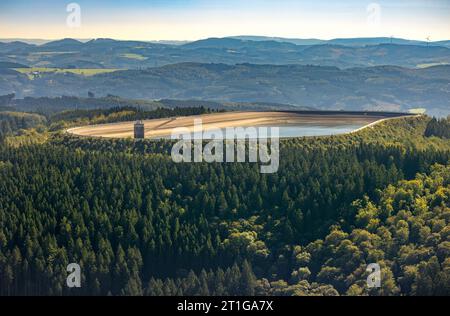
{"x":343,"y":53}
{"x":388,"y":88}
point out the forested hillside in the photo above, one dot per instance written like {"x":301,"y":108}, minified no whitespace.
{"x":357,"y":52}
{"x":438,"y":128}
{"x":383,"y":88}
{"x":11,"y":122}
{"x":139,"y":224}
{"x":50,"y":106}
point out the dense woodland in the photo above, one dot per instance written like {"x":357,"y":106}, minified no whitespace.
{"x":438,"y":127}
{"x":139,"y":224}
{"x":13,"y":122}
{"x":95,"y":105}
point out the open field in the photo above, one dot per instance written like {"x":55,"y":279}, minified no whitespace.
{"x":427,"y":65}
{"x":417,"y":111}
{"x":134,"y":56}
{"x":77,"y":71}
{"x":160,"y":128}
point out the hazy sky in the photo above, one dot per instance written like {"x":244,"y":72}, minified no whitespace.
{"x":195,"y":19}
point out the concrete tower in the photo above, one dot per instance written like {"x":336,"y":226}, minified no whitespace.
{"x":139,"y":130}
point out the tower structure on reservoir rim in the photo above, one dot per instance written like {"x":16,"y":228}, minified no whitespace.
{"x":139,"y":130}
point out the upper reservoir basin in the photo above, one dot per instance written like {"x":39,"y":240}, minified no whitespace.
{"x":289,"y":124}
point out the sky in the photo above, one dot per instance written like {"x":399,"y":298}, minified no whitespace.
{"x":196,"y":19}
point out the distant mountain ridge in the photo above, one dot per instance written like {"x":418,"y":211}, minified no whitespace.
{"x":342,"y":53}
{"x":356,"y":41}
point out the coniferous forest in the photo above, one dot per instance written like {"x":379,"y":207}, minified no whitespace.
{"x":439,"y":128}
{"x":139,"y":224}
